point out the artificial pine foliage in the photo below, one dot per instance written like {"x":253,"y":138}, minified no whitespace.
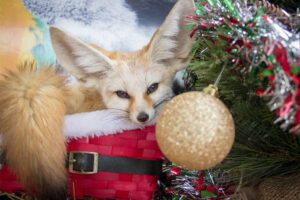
{"x":261,"y":150}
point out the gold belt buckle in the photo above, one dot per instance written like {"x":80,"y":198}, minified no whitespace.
{"x":72,"y":160}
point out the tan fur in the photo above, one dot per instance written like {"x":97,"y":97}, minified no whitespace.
{"x":32,"y":107}
{"x":82,"y":99}
{"x":132,"y":72}
{"x":131,"y":105}
{"x":33,"y":103}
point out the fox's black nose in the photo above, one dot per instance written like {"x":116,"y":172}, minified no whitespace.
{"x":142,"y":117}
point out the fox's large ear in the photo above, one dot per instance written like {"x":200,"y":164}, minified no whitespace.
{"x":171,"y":44}
{"x":80,"y":59}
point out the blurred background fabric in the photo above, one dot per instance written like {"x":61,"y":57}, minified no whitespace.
{"x":119,"y":25}
{"x":22,"y":37}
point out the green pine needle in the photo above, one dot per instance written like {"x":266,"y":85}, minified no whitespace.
{"x":261,"y":149}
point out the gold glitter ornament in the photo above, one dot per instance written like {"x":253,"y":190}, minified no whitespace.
{"x":195,"y":131}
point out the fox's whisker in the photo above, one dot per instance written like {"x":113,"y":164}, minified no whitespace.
{"x":118,"y":110}
{"x":123,"y":117}
{"x":120,"y":114}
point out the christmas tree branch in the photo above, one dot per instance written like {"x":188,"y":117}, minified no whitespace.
{"x":261,"y":149}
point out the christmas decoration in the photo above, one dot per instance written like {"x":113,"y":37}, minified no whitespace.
{"x":260,"y":151}
{"x":110,"y":183}
{"x":260,"y":44}
{"x":191,"y":184}
{"x":195,"y":130}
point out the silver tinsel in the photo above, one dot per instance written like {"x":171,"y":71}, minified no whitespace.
{"x":257,"y":32}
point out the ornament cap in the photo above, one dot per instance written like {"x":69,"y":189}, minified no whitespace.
{"x":211,"y":90}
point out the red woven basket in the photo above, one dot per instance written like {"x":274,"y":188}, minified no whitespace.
{"x":139,"y":144}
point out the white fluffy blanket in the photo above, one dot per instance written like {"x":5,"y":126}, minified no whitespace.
{"x":113,"y":25}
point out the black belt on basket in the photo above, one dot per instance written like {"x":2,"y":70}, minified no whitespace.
{"x":92,"y":163}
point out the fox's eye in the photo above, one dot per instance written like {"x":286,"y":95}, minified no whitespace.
{"x":152,"y":88}
{"x":122,"y":94}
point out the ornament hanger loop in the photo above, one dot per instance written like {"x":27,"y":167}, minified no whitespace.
{"x":212,"y":89}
